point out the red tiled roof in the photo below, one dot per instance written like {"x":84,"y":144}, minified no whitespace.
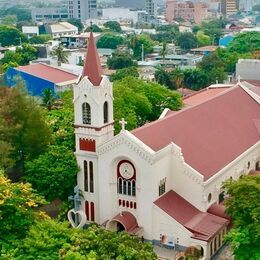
{"x":128,"y":220}
{"x":203,"y":95}
{"x":47,"y":72}
{"x":92,"y":67}
{"x":203,"y":225}
{"x":211,"y":134}
{"x":218,"y":210}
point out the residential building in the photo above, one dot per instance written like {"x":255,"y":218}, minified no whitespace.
{"x":188,"y":11}
{"x":229,"y":7}
{"x":30,"y":31}
{"x":39,"y":76}
{"x":82,"y":9}
{"x":49,"y":14}
{"x":151,"y":8}
{"x":58,"y":30}
{"x":162,"y":181}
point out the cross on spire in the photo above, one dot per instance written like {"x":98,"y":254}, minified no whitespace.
{"x":123,"y":123}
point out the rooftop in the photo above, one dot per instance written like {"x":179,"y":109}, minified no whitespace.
{"x":205,"y":130}
{"x":50,"y":73}
{"x":210,"y":48}
{"x":203,"y":225}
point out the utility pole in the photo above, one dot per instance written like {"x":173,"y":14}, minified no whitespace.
{"x":142,"y":52}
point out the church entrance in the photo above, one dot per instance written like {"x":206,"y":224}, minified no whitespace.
{"x":115,"y":225}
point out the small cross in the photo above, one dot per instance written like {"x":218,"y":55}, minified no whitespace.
{"x":123,"y":123}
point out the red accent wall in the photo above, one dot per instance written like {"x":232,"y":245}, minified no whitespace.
{"x":87,"y":145}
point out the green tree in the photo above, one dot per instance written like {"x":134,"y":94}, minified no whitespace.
{"x":77,"y":23}
{"x":11,"y":36}
{"x":113,"y":26}
{"x":139,"y":102}
{"x":23,"y":125}
{"x":177,"y":77}
{"x":109,"y":40}
{"x":60,"y":121}
{"x":125,"y":72}
{"x":40,"y":39}
{"x":17,"y":211}
{"x":203,"y":39}
{"x":9,"y":20}
{"x":195,"y":79}
{"x":27,"y":52}
{"x":187,"y":40}
{"x":8,"y":65}
{"x":163,"y":78}
{"x":48,"y":98}
{"x":53,"y":173}
{"x":93,"y":28}
{"x":136,"y":42}
{"x":22,"y":13}
{"x":245,"y":42}
{"x":120,"y":60}
{"x":243,"y":205}
{"x":60,"y":54}
{"x":50,"y":239}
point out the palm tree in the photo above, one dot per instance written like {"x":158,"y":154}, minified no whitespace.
{"x":59,"y":54}
{"x":164,"y":51}
{"x":47,"y":98}
{"x":178,"y":78}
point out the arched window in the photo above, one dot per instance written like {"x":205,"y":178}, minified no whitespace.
{"x":86,"y":176}
{"x":133,"y":187}
{"x":87,"y":210}
{"x":92,"y":211}
{"x":105,"y":110}
{"x":91,"y":177}
{"x":124,"y":187}
{"x":86,"y":113}
{"x":120,"y":185}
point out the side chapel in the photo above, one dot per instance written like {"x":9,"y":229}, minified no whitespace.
{"x":163,"y":180}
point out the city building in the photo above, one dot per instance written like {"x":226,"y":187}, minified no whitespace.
{"x":82,"y":9}
{"x":162,"y":181}
{"x":134,"y":4}
{"x":187,"y":11}
{"x":49,"y":14}
{"x":39,"y":76}
{"x":229,"y":7}
{"x":30,"y":31}
{"x":151,"y":8}
{"x":58,"y":30}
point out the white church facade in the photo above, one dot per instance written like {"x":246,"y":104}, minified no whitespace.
{"x":163,"y":180}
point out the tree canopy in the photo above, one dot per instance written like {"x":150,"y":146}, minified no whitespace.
{"x":109,"y":40}
{"x":23,"y":124}
{"x":113,"y":26}
{"x":245,"y":42}
{"x":186,"y":40}
{"x":120,"y":60}
{"x":17,"y":210}
{"x":125,"y":72}
{"x":243,"y":205}
{"x":11,"y":36}
{"x":77,"y":23}
{"x":140,"y":102}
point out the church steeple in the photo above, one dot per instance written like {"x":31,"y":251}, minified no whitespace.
{"x":92,"y":67}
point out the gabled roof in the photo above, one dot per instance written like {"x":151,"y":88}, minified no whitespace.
{"x":211,"y":134}
{"x":92,"y":67}
{"x":203,"y":225}
{"x":47,"y":72}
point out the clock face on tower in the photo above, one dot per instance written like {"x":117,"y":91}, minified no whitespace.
{"x":126,"y":170}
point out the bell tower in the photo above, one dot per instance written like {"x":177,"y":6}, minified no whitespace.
{"x":94,"y":125}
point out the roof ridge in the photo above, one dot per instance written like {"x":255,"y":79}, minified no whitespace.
{"x":184,"y":109}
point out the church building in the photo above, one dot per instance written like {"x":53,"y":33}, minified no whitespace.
{"x":163,"y":180}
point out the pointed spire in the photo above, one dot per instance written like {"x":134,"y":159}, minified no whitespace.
{"x":92,"y":67}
